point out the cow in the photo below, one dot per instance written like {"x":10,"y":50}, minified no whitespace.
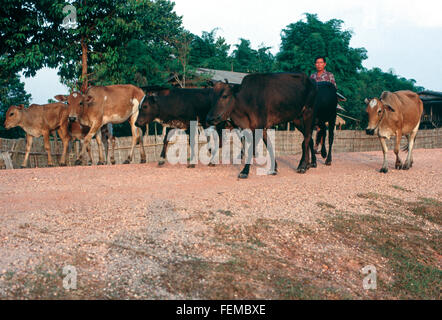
{"x":79,"y":132}
{"x":395,"y":114}
{"x":175,"y":108}
{"x":106,"y":104}
{"x":325,"y":111}
{"x":40,"y":120}
{"x":263,"y":100}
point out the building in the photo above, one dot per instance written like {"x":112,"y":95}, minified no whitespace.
{"x":432,"y":115}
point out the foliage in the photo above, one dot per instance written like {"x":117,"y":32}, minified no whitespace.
{"x":246,"y":59}
{"x":303,"y":41}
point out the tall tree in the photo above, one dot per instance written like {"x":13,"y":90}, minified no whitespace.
{"x":247,"y":59}
{"x":210,"y":52}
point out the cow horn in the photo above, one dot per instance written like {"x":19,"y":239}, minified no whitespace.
{"x":366,"y":101}
{"x":227,"y":81}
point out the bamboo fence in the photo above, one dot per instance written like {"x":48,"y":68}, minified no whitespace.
{"x":287,"y":143}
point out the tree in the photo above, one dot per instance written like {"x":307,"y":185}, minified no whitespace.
{"x":210,"y":52}
{"x":303,"y":41}
{"x":246,"y":59}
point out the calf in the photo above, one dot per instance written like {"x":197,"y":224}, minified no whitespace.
{"x":175,"y":108}
{"x":106,"y":104}
{"x":395,"y":114}
{"x":40,"y":120}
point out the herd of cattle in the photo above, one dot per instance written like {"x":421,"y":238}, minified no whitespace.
{"x":261,"y":101}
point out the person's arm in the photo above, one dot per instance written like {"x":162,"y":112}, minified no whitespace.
{"x":332,"y":80}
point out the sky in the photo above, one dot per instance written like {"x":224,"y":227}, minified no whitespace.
{"x":404,"y":36}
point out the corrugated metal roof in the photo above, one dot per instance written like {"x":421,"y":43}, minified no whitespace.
{"x":221,"y":75}
{"x":430,"y":95}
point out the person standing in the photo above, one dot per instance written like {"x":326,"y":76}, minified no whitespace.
{"x":321,"y":74}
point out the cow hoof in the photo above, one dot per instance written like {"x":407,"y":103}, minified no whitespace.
{"x":113,"y":162}
{"x":143,"y":161}
{"x":243,"y":175}
{"x":272,"y":173}
{"x":301,"y":170}
{"x":50,"y":165}
{"x":313,"y":165}
{"x":62,"y":164}
{"x":191,"y":166}
{"x":161,"y":162}
{"x":212,"y":165}
{"x":126,"y":161}
{"x":89,"y":164}
{"x":78,"y":162}
{"x":406,"y":167}
{"x":99,"y":163}
{"x":23,"y":167}
{"x":383,"y":170}
{"x":328,"y":163}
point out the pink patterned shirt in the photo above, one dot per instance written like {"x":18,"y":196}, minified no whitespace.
{"x":325,"y":76}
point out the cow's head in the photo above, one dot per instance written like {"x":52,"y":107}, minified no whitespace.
{"x":76,"y":104}
{"x":223,"y":101}
{"x":13,"y":116}
{"x":149,"y":111}
{"x":376,"y":110}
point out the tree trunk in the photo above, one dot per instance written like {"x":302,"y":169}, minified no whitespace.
{"x":84,"y":84}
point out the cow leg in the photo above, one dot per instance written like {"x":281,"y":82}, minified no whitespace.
{"x":112,"y":155}
{"x":313,"y":153}
{"x":398,"y":164}
{"x":331,"y":136}
{"x":28,"y":149}
{"x":134,"y":130}
{"x":140,"y":141}
{"x":101,"y":160}
{"x":91,"y":160}
{"x":411,"y":138}
{"x":87,"y":140}
{"x":271,"y":150}
{"x":65,"y":138}
{"x":244,"y":174}
{"x":164,"y":150}
{"x":384,"y":168}
{"x":48,"y":148}
{"x":308,"y":130}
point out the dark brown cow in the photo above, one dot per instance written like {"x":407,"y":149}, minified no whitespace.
{"x":395,"y":114}
{"x":41,"y":120}
{"x":106,"y":104}
{"x":264,"y":100}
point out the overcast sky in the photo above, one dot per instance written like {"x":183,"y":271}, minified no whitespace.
{"x":402,"y":35}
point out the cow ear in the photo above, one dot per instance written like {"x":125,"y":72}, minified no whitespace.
{"x":89,"y":99}
{"x":366,"y":101}
{"x":61,"y":98}
{"x":389,"y":108}
{"x":227,"y":81}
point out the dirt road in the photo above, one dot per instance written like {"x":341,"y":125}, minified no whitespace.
{"x":140,"y":231}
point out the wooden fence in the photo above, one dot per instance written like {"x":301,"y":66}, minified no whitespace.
{"x":287,"y":143}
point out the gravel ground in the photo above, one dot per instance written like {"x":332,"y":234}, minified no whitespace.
{"x":122,"y":226}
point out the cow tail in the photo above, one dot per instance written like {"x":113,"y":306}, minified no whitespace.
{"x":406,"y":147}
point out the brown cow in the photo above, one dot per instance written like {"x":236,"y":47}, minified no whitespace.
{"x":395,"y":114}
{"x":40,"y":120}
{"x":79,"y":132}
{"x":106,"y":104}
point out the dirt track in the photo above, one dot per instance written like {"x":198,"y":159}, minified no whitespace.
{"x":140,"y":231}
